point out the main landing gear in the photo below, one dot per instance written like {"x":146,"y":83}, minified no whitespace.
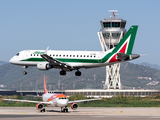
{"x":64,"y":109}
{"x":62,"y":72}
{"x":77,"y":73}
{"x":25,"y":70}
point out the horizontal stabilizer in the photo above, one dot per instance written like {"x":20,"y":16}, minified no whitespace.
{"x":122,"y":56}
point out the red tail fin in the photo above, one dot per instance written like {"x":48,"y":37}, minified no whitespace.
{"x":45,"y":87}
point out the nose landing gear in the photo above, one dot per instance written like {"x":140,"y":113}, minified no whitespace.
{"x":64,"y":109}
{"x":25,"y":70}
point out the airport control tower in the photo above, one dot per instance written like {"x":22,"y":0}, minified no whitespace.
{"x":112,"y":32}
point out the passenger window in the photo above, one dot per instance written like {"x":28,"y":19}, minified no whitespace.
{"x":31,"y":54}
{"x":56,"y":55}
{"x":84,"y":56}
{"x":70,"y":55}
{"x":63,"y":55}
{"x":80,"y":55}
{"x":87,"y":55}
{"x":67,"y":55}
{"x":17,"y":54}
{"x":77,"y":55}
{"x":59,"y":55}
{"x":73,"y":55}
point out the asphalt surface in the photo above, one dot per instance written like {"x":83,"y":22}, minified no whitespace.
{"x":89,"y":113}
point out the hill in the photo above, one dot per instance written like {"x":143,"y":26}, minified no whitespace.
{"x":151,"y":65}
{"x":132,"y":75}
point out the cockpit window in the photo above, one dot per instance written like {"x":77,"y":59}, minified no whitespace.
{"x":61,"y":98}
{"x":17,"y":54}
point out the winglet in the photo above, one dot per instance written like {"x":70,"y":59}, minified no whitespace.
{"x":45,"y":87}
{"x":46,"y":50}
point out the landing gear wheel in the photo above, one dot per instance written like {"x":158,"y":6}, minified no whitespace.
{"x":78,"y":73}
{"x":43,"y":110}
{"x":64,"y":109}
{"x":24,"y":73}
{"x":62,"y":72}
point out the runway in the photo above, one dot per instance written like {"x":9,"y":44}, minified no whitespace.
{"x":89,"y":113}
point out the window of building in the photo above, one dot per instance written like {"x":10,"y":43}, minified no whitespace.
{"x":106,"y":35}
{"x":116,"y":35}
{"x":123,"y":24}
{"x":115,"y":24}
{"x":106,"y":24}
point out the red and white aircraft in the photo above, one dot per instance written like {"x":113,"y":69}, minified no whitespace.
{"x":54,"y":100}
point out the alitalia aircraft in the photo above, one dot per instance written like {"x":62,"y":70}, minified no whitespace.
{"x":74,"y":60}
{"x":54,"y":100}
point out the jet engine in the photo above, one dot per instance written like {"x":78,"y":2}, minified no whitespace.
{"x":39,"y":106}
{"x":74,"y":106}
{"x":43,"y":66}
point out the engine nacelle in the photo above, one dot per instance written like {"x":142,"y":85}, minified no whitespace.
{"x":74,"y":106}
{"x":43,"y":66}
{"x":39,"y":106}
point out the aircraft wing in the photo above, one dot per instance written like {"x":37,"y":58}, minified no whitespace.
{"x":122,"y":56}
{"x":48,"y":103}
{"x":77,"y":101}
{"x":53,"y":61}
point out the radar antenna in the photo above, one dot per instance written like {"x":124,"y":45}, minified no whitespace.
{"x":113,"y":14}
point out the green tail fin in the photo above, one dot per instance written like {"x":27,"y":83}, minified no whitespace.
{"x":127,"y":42}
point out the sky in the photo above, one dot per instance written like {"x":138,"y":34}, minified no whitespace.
{"x":73,"y":25}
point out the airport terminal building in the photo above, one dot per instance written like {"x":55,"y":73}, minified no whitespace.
{"x":88,"y":92}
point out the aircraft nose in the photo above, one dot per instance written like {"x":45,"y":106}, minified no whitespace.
{"x":11,"y":60}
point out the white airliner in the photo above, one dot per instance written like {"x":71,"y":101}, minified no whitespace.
{"x":54,"y":100}
{"x":74,"y":60}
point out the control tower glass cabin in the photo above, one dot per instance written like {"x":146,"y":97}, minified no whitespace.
{"x":113,"y":31}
